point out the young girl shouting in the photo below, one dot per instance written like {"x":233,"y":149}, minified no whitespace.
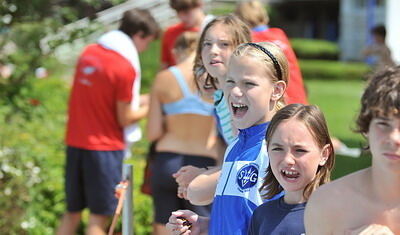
{"x":301,"y":159}
{"x":254,"y":87}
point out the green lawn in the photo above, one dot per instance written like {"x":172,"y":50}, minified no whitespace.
{"x":339,"y":100}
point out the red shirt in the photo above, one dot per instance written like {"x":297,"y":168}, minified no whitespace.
{"x":168,"y":42}
{"x":295,"y":92}
{"x":102,"y":78}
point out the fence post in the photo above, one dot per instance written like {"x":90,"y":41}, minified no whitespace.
{"x":127,"y":211}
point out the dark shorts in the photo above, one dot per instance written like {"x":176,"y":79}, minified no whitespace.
{"x":90,"y":180}
{"x":164,"y":187}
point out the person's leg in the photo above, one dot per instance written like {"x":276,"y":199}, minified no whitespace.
{"x":74,"y":192}
{"x":97,"y":224}
{"x":159,"y":229}
{"x":103,"y":172}
{"x":164,"y":189}
{"x":69,"y":223}
{"x":342,"y":149}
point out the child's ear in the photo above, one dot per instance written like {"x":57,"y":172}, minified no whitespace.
{"x":326,"y":151}
{"x":278,"y":90}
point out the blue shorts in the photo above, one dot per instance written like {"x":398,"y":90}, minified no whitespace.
{"x":90,"y":180}
{"x":164,"y":187}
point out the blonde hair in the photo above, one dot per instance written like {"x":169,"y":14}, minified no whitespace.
{"x":252,"y":12}
{"x":186,"y":43}
{"x":273,"y":58}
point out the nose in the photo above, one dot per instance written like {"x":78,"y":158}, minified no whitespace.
{"x":236,"y":91}
{"x":288,"y":159}
{"x":395,"y":136}
{"x":214,"y":48}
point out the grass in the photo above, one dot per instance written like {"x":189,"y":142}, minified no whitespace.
{"x":315,"y":49}
{"x":339,"y":100}
{"x":333,"y":70}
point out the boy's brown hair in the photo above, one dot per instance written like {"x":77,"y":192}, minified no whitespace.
{"x":183,"y":5}
{"x":139,"y":21}
{"x":381,"y":98}
{"x":314,"y":120}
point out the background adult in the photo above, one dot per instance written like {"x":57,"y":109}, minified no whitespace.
{"x":99,"y":109}
{"x":192,"y":18}
{"x":183,"y":125}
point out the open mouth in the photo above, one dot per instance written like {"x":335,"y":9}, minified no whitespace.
{"x":215,"y":62}
{"x":239,"y":110}
{"x":208,"y":87}
{"x":290,"y":174}
{"x":208,"y":84}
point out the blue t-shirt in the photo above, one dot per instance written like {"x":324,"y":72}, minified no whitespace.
{"x":278,"y":217}
{"x":237,"y":194}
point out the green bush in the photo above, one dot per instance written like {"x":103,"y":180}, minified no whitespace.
{"x":334,"y":70}
{"x":150,"y":63}
{"x":315,"y":49}
{"x":31,"y":159}
{"x":32,"y":165}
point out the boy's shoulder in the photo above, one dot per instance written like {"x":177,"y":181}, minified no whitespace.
{"x":343,"y":190}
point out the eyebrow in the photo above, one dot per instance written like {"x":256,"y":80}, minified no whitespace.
{"x":383,"y":118}
{"x":296,"y":145}
{"x":276,"y":144}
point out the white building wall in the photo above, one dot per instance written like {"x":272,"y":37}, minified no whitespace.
{"x":353,"y":27}
{"x":393,"y":28}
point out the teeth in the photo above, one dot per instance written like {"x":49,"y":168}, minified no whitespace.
{"x":238,"y":105}
{"x":289,"y":172}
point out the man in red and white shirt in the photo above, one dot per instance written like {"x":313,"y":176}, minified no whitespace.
{"x":99,"y":108}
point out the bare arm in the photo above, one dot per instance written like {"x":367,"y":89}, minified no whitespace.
{"x":201,"y":190}
{"x":155,"y":122}
{"x":371,"y":229}
{"x":126,"y":116}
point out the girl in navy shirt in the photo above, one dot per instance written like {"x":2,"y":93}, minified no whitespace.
{"x":301,"y":159}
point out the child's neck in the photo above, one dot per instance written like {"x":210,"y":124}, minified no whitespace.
{"x":294,"y":197}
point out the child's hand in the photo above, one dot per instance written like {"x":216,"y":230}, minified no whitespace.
{"x":144,"y":100}
{"x":186,"y":174}
{"x":371,"y":229}
{"x":183,"y":222}
{"x":182,"y":192}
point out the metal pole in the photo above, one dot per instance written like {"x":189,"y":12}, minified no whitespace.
{"x":127,"y":211}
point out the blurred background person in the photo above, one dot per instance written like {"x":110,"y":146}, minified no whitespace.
{"x":253,"y":13}
{"x":378,"y":53}
{"x":99,"y":108}
{"x":192,"y":18}
{"x":183,"y":125}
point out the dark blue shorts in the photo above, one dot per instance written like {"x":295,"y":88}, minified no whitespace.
{"x":164,"y":187}
{"x":90,"y":180}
